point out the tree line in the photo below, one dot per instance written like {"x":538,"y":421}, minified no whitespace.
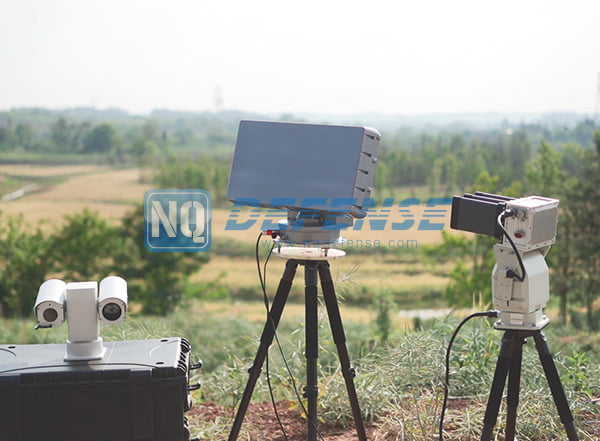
{"x":176,"y":151}
{"x":87,"y":247}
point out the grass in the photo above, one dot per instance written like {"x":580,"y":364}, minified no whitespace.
{"x":399,"y":382}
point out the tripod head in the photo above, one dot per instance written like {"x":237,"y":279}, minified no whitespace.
{"x":310,"y":234}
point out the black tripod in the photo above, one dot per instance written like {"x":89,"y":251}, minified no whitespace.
{"x":509,"y":363}
{"x":313,"y":269}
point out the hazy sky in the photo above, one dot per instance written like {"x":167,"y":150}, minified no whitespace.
{"x":394,"y":56}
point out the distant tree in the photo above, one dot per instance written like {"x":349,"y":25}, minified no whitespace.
{"x":546,"y":177}
{"x":146,"y":153}
{"x":101,"y":139}
{"x":208,"y":173}
{"x":24,"y":135}
{"x":24,"y":264}
{"x":451,"y":174}
{"x":61,"y":134}
{"x":82,"y":249}
{"x":585,"y":200}
{"x":155,"y":280}
{"x":6,"y":138}
{"x":470,"y":280}
{"x":151,"y":131}
{"x":435,"y":177}
{"x":584,"y":133}
{"x":79,"y":133}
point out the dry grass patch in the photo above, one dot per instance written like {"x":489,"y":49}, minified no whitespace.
{"x":48,"y":171}
{"x":52,"y":214}
{"x":112,"y":193}
{"x":372,"y":272}
{"x":254,"y":311}
{"x":110,"y":186}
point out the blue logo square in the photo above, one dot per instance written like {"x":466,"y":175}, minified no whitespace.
{"x":177,"y":220}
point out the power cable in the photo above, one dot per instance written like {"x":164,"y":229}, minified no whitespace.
{"x":510,"y":273}
{"x":262,"y":276}
{"x":491,"y":313}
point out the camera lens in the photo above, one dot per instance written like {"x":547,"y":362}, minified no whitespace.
{"x":111,"y":311}
{"x":50,"y":315}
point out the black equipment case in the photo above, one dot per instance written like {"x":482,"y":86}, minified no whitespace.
{"x":139,"y":391}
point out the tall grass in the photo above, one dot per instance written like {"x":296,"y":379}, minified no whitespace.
{"x":399,"y":382}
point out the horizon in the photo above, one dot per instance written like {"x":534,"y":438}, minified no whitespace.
{"x":378,"y":120}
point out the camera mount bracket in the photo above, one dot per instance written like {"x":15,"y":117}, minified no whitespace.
{"x":84,"y":341}
{"x":312,"y":228}
{"x":520,"y":303}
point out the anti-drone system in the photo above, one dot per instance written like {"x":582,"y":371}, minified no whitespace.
{"x":322,"y":174}
{"x":527,"y":229}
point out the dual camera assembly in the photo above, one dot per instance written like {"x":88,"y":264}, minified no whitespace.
{"x":91,"y":390}
{"x":88,"y":305}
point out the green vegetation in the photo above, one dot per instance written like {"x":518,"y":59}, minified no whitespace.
{"x":400,"y":368}
{"x":400,"y":382}
{"x":86,"y":247}
{"x":184,"y":150}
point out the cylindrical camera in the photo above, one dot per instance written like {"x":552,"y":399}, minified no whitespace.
{"x":112,"y":300}
{"x":50,"y":304}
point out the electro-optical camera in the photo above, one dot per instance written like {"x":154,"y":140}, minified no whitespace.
{"x":527,"y":228}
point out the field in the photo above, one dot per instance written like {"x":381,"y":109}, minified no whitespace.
{"x":67,"y":190}
{"x":63,"y":190}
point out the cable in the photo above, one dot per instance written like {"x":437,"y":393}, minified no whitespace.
{"x":262,"y":276}
{"x":490,"y":313}
{"x":511,"y":273}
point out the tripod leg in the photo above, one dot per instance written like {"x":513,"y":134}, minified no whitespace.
{"x":312,"y":346}
{"x":266,"y":339}
{"x":558,"y":393}
{"x":339,"y":337}
{"x":495,"y":397}
{"x":514,"y":384}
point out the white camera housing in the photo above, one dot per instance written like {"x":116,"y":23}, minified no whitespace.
{"x":112,"y":300}
{"x":534,"y":221}
{"x":50,"y":304}
{"x":82,"y":305}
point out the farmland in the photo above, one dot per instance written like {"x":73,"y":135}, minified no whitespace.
{"x":112,"y":193}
